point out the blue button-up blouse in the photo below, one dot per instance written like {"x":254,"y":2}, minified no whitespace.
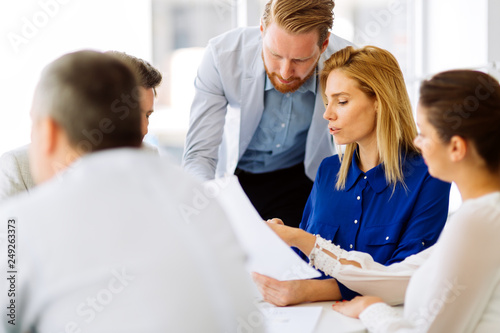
{"x":372,"y":217}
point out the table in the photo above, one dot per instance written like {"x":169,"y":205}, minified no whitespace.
{"x":329,"y":321}
{"x":333,"y":322}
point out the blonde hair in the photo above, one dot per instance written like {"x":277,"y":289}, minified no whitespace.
{"x":379,"y":76}
{"x":300,"y":16}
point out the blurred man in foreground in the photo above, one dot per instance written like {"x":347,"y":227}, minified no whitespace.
{"x":107,"y":245}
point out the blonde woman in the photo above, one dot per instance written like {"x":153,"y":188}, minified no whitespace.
{"x":378,"y":197}
{"x":453,"y":286}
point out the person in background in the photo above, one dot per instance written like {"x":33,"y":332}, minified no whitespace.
{"x":454,"y":286}
{"x":99,"y":249}
{"x":15,"y":175}
{"x":149,"y":79}
{"x":257,"y":107}
{"x":378,"y":197}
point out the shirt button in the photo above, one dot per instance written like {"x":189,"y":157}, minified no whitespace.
{"x":283,"y":125}
{"x":355,"y":221}
{"x":350,"y":246}
{"x":387,"y":238}
{"x":423,"y":243}
{"x":288,"y":95}
{"x":358,"y":197}
{"x":278,"y":145}
{"x":364,"y":177}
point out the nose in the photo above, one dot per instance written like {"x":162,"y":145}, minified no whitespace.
{"x":329,"y":113}
{"x":286,"y":71}
{"x":145,"y":125}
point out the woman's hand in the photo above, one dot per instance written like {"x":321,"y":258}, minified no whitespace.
{"x":293,"y":236}
{"x":276,"y":221}
{"x":356,"y":306}
{"x":279,"y":293}
{"x":284,"y":232}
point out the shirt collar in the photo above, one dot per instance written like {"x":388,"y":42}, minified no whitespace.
{"x":375,"y":176}
{"x":309,"y":85}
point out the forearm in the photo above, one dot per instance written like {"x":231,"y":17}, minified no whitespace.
{"x":321,"y":290}
{"x":302,"y":240}
{"x":305,"y":242}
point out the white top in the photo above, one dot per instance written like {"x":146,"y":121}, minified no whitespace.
{"x":123,"y":241}
{"x":455,"y":285}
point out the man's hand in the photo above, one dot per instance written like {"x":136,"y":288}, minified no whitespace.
{"x":356,"y":306}
{"x":280,"y":293}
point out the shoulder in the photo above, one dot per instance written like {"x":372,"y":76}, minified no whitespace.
{"x":236,"y":54}
{"x":475,"y":226}
{"x":329,"y":168}
{"x":479,"y":214}
{"x":331,"y":162}
{"x":236,"y":40}
{"x":18,"y":155}
{"x":15,"y":175}
{"x":337,"y":43}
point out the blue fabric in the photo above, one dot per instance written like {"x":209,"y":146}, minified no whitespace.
{"x":368,"y":216}
{"x":280,"y":139}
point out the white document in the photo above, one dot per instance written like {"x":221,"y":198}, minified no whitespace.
{"x":268,"y":254}
{"x":291,"y":320}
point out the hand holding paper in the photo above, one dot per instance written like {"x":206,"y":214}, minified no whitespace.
{"x":268,"y":254}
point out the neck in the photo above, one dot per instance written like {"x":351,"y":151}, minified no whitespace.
{"x":476,"y":183}
{"x":368,"y":155}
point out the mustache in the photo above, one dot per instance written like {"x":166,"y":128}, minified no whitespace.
{"x":291,"y":78}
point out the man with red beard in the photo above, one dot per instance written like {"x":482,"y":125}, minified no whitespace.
{"x":257,"y":112}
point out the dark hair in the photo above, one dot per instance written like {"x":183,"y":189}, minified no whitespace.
{"x":149,"y":76}
{"x":94,"y":97}
{"x":300,"y":16}
{"x":465,"y":103}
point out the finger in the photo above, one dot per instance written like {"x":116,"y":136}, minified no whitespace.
{"x":272,"y":290}
{"x":275,"y":221}
{"x":339,"y":306}
{"x":270,"y":295}
{"x":267,"y":281}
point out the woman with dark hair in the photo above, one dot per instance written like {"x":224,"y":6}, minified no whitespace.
{"x":453,"y":286}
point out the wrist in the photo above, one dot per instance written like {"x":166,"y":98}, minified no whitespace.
{"x":295,"y":237}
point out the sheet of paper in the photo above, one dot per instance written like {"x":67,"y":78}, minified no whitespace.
{"x":291,"y":320}
{"x":268,"y":254}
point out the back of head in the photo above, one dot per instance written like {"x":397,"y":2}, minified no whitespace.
{"x":300,"y":16}
{"x":378,"y":75}
{"x":465,"y":103}
{"x":94,"y":98}
{"x":149,"y":76}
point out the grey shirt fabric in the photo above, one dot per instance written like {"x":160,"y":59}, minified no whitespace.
{"x":15,"y":174}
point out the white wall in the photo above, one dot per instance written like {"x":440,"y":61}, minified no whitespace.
{"x":35,"y":32}
{"x":456,"y":34}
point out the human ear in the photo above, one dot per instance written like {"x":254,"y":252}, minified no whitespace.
{"x":457,"y":148}
{"x":325,"y":43}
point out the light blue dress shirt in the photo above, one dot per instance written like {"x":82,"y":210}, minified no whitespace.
{"x":280,"y":139}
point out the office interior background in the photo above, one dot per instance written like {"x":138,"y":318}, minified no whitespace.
{"x":426,"y":36}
